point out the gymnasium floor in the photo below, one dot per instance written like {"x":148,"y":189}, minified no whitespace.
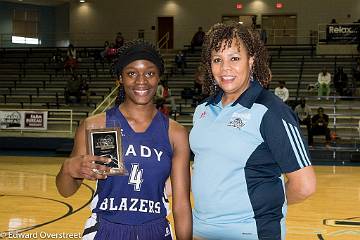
{"x":30,"y":204}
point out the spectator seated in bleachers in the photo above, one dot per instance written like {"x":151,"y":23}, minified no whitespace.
{"x":103,"y":53}
{"x":319,"y":126}
{"x":57,"y":61}
{"x":282,"y":92}
{"x":340,"y":81}
{"x":323,"y":83}
{"x":355,"y":76}
{"x":303,"y":111}
{"x":111,"y":52}
{"x":199,"y":92}
{"x":180,"y":62}
{"x":119,"y":40}
{"x":160,"y":105}
{"x":73,"y":88}
{"x":84,"y":89}
{"x":71,"y":61}
{"x":164,"y":92}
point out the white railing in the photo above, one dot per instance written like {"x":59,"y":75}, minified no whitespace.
{"x":164,"y":41}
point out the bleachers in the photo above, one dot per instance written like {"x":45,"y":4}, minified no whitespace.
{"x":29,"y":80}
{"x":297,"y":66}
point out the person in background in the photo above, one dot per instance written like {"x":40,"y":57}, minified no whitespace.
{"x":154,"y":147}
{"x":119,"y":40}
{"x":282,"y":92}
{"x":103,"y":53}
{"x":71,"y":61}
{"x":355,"y":76}
{"x":57,"y":60}
{"x":73,"y":88}
{"x":164,"y":92}
{"x":249,"y":157}
{"x":198,"y":39}
{"x":199,"y":92}
{"x":319,"y":126}
{"x":180,"y":62}
{"x":340,"y":81}
{"x":160,"y":105}
{"x":303,"y":111}
{"x":324,"y":81}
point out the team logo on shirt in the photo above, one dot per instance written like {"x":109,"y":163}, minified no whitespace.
{"x":203,"y":114}
{"x":238,"y":120}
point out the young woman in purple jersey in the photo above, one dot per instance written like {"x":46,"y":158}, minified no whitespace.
{"x":154,"y":148}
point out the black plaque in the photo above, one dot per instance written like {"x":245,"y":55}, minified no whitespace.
{"x":106,"y":142}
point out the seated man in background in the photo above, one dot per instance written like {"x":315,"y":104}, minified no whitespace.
{"x":73,"y":88}
{"x":303,"y":111}
{"x":319,"y":126}
{"x":282,"y":92}
{"x":324,"y":81}
{"x":340,"y":81}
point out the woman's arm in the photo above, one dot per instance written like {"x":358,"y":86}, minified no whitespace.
{"x":300,"y":184}
{"x":78,"y":166}
{"x":180,"y":181}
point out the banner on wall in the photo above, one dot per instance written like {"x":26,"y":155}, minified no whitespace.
{"x":23,"y":120}
{"x":343,"y":33}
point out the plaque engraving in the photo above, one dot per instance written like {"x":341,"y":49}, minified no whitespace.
{"x":106,"y":142}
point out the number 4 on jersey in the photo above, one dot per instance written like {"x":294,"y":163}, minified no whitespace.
{"x":135,"y":177}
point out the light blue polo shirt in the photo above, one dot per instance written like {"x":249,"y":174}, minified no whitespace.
{"x":241,"y":151}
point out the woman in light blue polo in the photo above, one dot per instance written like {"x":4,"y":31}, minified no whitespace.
{"x":245,"y":139}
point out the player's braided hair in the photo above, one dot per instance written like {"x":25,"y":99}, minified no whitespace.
{"x":227,"y":32}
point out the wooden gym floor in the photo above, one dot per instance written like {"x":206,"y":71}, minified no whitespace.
{"x":30,"y":204}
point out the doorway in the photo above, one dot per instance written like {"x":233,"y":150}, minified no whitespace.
{"x":165,"y":25}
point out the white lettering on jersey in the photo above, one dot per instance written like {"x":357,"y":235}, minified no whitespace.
{"x":104,"y":204}
{"x":112,"y":207}
{"x":134,"y":201}
{"x":123,"y":204}
{"x":143,"y":204}
{"x":144,"y":151}
{"x":132,"y":204}
{"x":131,"y":150}
{"x":158,"y":154}
{"x":157,"y":207}
{"x":151,"y":206}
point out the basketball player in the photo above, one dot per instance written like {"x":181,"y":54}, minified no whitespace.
{"x":134,"y":207}
{"x":239,"y":189}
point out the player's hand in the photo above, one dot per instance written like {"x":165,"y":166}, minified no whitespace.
{"x":84,"y":166}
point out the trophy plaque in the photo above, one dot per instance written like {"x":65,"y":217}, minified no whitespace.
{"x":106,"y":142}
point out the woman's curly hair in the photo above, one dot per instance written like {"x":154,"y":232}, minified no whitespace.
{"x":227,"y":32}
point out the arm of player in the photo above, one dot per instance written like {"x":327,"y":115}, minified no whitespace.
{"x":79,"y":166}
{"x":300,"y":184}
{"x":180,"y":181}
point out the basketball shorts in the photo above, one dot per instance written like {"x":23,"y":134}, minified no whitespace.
{"x":97,"y":228}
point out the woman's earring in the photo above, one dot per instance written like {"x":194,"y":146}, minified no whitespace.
{"x":251,"y":73}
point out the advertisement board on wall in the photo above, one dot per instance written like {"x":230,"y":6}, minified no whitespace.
{"x":23,"y":120}
{"x":343,"y":33}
